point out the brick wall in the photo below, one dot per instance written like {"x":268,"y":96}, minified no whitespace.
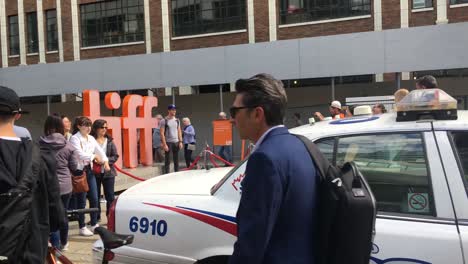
{"x":32,"y":59}
{"x":459,"y":14}
{"x":262,"y":32}
{"x":53,"y":57}
{"x":211,"y":41}
{"x":324,"y":29}
{"x":67,"y":31}
{"x":114,"y":51}
{"x":425,"y":18}
{"x":156,"y":26}
{"x":391,"y":14}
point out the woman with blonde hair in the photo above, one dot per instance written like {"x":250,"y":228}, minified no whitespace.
{"x":189,"y":140}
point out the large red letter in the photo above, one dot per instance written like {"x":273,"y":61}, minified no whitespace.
{"x":146,"y":132}
{"x":92,"y":109}
{"x":130,"y":124}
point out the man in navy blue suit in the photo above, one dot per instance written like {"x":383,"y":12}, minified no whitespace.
{"x":277,"y":215}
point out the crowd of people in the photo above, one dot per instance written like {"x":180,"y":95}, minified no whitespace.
{"x":337,"y":111}
{"x":65,"y":153}
{"x":171,"y":136}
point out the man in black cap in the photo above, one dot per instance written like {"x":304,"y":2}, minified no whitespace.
{"x":171,"y":138}
{"x":30,"y":205}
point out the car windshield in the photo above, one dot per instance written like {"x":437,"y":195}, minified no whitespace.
{"x":216,"y":187}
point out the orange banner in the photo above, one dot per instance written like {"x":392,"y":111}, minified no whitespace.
{"x":222,"y":133}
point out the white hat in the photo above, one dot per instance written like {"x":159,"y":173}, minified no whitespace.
{"x":362,"y":110}
{"x":336,"y":104}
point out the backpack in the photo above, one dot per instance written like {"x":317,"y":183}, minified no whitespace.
{"x":347,"y":212}
{"x":15,"y":206}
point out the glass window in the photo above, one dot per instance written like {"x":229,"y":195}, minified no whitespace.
{"x":298,"y":11}
{"x":327,"y":146}
{"x":461,"y":145}
{"x":191,"y":17}
{"x":51,"y":28}
{"x":395,"y":166}
{"x":33,"y":40}
{"x":456,"y":2}
{"x":13,"y":33}
{"x":417,"y":4}
{"x":112,"y":22}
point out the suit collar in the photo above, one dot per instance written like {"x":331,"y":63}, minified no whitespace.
{"x":273,"y":131}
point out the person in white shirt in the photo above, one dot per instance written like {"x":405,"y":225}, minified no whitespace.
{"x":89,"y":151}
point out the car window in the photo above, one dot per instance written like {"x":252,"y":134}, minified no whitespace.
{"x":326,"y":146}
{"x":395,"y":166}
{"x":461,"y":146}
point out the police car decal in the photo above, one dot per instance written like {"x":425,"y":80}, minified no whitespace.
{"x":353,"y":120}
{"x":224,"y":222}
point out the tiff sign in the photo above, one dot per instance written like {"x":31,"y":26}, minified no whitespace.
{"x":135,"y":123}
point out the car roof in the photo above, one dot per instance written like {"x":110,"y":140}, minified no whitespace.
{"x":377,"y":124}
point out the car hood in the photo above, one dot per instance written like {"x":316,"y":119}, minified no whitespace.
{"x":192,"y":182}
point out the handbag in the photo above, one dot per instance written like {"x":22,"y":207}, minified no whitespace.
{"x":191,"y":147}
{"x":80,"y":183}
{"x":97,"y":168}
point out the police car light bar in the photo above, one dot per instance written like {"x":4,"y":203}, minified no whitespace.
{"x":427,"y":104}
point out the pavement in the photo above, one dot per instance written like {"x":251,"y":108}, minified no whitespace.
{"x":80,"y":247}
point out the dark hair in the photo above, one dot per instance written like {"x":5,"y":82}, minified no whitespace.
{"x":297,"y":115}
{"x":382,"y":107}
{"x":98,"y":123}
{"x":81,"y":121}
{"x":263,"y":90}
{"x":427,"y":81}
{"x":6,"y":118}
{"x":53,"y":124}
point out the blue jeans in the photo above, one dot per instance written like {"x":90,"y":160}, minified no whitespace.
{"x":92,"y":198}
{"x":61,"y":237}
{"x":227,"y":150}
{"x":108,"y":185}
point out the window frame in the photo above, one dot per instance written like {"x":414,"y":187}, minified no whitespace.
{"x":16,"y":36}
{"x":217,"y":25}
{"x":455,"y":2}
{"x":51,"y":46}
{"x":429,"y":173}
{"x":32,"y":33}
{"x":425,"y":5}
{"x":120,"y":22}
{"x":284,"y":12}
{"x":457,"y":156}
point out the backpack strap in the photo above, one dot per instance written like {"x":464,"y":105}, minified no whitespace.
{"x":320,"y":161}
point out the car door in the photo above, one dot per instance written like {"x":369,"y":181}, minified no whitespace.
{"x":454,"y":153}
{"x":415,"y":221}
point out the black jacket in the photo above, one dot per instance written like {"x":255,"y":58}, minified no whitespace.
{"x":30,"y":201}
{"x":113,"y":156}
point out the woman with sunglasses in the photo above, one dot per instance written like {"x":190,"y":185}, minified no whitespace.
{"x":105,"y":178}
{"x":89,"y":151}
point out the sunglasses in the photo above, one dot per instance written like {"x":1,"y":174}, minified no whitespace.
{"x":233,"y":110}
{"x":103,"y":127}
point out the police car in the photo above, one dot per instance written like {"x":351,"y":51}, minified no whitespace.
{"x":417,"y":168}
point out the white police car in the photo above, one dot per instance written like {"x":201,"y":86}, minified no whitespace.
{"x":417,"y":168}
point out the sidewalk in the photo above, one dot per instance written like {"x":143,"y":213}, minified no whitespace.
{"x":80,"y":248}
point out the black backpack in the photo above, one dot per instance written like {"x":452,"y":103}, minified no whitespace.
{"x":16,"y":205}
{"x":347,"y":212}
